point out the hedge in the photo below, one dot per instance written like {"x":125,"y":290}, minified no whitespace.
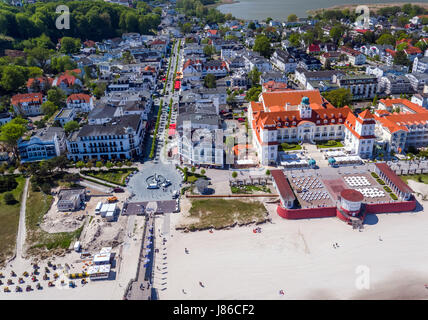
{"x":380,"y":181}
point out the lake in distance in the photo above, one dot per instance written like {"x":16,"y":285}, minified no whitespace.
{"x":280,"y":9}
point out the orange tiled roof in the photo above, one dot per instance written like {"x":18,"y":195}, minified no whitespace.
{"x":350,"y":125}
{"x":79,"y":97}
{"x":294,"y":97}
{"x":44,"y":80}
{"x":27,"y":97}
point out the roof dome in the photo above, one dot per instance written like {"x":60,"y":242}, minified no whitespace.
{"x":305,"y":100}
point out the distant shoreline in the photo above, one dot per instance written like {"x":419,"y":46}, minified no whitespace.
{"x":222,"y":2}
{"x":372,"y":6}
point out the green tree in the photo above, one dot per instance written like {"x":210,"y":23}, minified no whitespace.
{"x":336,"y":33}
{"x":268,"y":172}
{"x":210,"y":81}
{"x":294,"y":39}
{"x":339,"y":97}
{"x":292,"y":18}
{"x":127,"y":57}
{"x":12,"y":77}
{"x":70,"y":45}
{"x":10,"y":133}
{"x":48,"y":108}
{"x":71,"y":126}
{"x":262,"y":46}
{"x":38,"y":56}
{"x":385,"y":39}
{"x":57,"y":96}
{"x":99,"y":164}
{"x":99,"y":90}
{"x":375,"y":99}
{"x":234,"y":174}
{"x":400,"y":58}
{"x":186,"y":27}
{"x":253,"y":93}
{"x":8,"y":198}
{"x":254,"y":76}
{"x":209,"y":50}
{"x":80,"y":164}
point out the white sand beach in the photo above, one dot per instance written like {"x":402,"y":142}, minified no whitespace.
{"x":298,"y":257}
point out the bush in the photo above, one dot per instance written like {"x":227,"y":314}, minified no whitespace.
{"x":9,"y":199}
{"x":234,"y":174}
{"x":203,"y":171}
{"x":380,"y":181}
{"x":393,"y":196}
{"x":7,"y":183}
{"x":374,"y":175}
{"x":46,"y":188}
{"x":330,"y":143}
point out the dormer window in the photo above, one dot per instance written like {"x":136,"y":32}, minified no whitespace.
{"x":325,"y":121}
{"x":294,"y":123}
{"x":333,"y":120}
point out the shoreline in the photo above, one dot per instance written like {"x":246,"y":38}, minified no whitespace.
{"x":222,"y":2}
{"x":372,"y":6}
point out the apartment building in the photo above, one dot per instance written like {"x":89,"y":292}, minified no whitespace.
{"x":119,"y":138}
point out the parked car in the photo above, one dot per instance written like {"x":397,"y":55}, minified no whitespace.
{"x":118,"y":190}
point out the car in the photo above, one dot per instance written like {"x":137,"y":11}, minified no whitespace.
{"x":118,"y":190}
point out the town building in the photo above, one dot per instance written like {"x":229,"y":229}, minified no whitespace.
{"x":293,"y":116}
{"x":80,"y":102}
{"x":46,"y":143}
{"x":28,"y":104}
{"x":354,"y":57}
{"x":120,"y":138}
{"x":401,"y":124}
{"x":392,"y":84}
{"x":360,"y":134}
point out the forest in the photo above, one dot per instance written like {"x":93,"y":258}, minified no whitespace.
{"x":89,"y":20}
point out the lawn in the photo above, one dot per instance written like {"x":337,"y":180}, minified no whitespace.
{"x":423,"y":178}
{"x":9,"y":215}
{"x":116,"y":176}
{"x":218,"y":213}
{"x":329,"y":144}
{"x":289,"y":147}
{"x":38,"y":204}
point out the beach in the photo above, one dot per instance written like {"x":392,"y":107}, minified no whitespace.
{"x":298,"y":257}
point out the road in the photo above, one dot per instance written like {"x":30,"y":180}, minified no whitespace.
{"x":170,"y":93}
{"x":20,"y":239}
{"x":141,"y":288}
